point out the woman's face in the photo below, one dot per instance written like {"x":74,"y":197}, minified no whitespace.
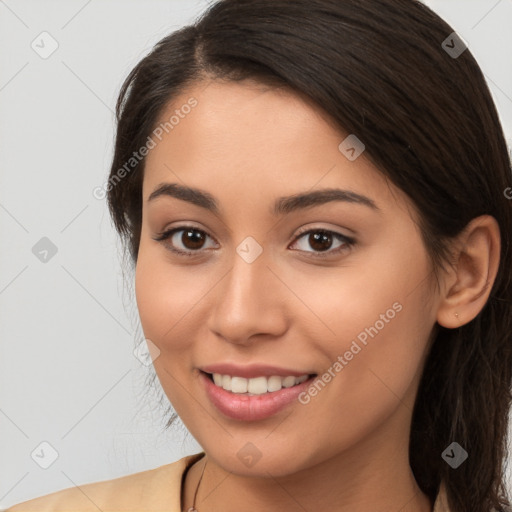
{"x":339,"y":286}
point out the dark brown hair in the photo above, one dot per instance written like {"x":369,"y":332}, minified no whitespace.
{"x":429,"y":124}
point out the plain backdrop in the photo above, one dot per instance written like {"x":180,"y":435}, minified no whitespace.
{"x":72,"y":392}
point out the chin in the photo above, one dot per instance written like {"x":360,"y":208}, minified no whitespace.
{"x":260,"y":459}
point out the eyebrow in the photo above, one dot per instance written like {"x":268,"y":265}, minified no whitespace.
{"x":282,"y":205}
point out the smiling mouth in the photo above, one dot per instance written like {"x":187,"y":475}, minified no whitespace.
{"x":257,"y":385}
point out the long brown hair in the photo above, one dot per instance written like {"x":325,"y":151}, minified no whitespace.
{"x":382,"y":70}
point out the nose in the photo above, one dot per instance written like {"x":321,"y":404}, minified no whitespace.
{"x":250,"y":303}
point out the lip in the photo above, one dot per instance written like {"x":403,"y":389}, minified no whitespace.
{"x":251,"y":371}
{"x":252,"y":408}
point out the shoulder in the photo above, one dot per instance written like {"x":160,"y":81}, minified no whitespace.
{"x":154,"y":489}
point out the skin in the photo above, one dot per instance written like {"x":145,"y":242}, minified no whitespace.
{"x":347,"y":449}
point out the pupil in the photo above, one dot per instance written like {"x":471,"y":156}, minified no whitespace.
{"x":192,"y":239}
{"x":318,"y":240}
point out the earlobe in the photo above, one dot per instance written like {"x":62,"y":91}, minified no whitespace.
{"x":476,"y":255}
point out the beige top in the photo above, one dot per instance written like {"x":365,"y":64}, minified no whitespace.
{"x":154,"y":490}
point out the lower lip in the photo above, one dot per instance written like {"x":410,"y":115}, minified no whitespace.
{"x":252,"y":408}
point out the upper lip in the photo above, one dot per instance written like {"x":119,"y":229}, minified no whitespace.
{"x":250,"y":371}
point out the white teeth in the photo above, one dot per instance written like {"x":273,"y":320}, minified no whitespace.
{"x":226,"y":381}
{"x":302,"y":378}
{"x":288,"y":382}
{"x":274,"y":383}
{"x":239,"y":385}
{"x":257,"y":385}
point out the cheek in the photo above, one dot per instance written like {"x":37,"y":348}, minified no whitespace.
{"x":161,"y":295}
{"x":152,"y":298}
{"x":168,"y":296}
{"x":346,"y":300}
{"x":378,"y":376}
{"x":382,"y":323}
{"x":375,"y":315}
{"x":164,"y":297}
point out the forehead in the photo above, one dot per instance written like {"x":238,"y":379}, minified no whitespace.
{"x":244,"y":136}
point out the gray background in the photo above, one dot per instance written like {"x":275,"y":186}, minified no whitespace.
{"x":68,"y":327}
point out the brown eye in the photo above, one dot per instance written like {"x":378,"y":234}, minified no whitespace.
{"x":322,"y":241}
{"x":192,"y":239}
{"x":186,"y":240}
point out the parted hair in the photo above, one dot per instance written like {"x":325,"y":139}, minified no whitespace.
{"x":380,"y":70}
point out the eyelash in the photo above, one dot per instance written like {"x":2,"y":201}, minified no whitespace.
{"x":348,"y":242}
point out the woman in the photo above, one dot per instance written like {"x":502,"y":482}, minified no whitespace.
{"x":313,"y":197}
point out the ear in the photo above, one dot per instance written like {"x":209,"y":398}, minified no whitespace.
{"x":467,"y":285}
